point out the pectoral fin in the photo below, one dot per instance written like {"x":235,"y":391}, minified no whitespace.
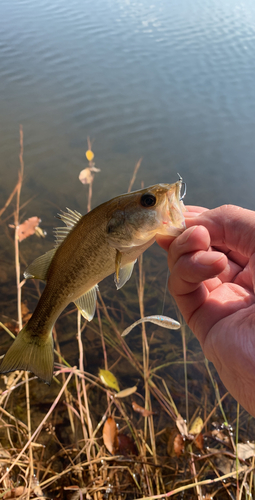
{"x":39,"y":267}
{"x":117,"y":265}
{"x":87,"y":303}
{"x":124,"y":273}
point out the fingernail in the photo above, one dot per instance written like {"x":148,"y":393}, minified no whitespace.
{"x":186,"y":235}
{"x":209,"y":258}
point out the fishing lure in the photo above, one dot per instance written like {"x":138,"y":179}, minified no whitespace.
{"x":163,"y":321}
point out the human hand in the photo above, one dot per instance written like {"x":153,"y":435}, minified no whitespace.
{"x":212,"y":279}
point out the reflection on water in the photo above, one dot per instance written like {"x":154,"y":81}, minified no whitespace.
{"x":172,"y":82}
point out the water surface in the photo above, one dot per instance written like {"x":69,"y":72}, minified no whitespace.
{"x":172,"y":82}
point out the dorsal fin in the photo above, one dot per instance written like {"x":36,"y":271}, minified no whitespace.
{"x":70,"y":218}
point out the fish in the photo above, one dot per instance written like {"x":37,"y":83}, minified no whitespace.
{"x":160,"y":320}
{"x":89,"y":248}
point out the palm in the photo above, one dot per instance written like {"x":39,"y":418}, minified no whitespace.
{"x":212,"y":282}
{"x":230,"y":345}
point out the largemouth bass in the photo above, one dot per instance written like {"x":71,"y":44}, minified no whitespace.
{"x":91,"y":247}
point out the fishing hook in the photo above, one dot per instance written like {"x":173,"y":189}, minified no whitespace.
{"x":184,"y":187}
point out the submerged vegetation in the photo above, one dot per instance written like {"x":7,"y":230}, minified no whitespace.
{"x":140,"y":417}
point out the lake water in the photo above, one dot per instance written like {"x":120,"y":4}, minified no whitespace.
{"x":172,"y":82}
{"x":169,"y":81}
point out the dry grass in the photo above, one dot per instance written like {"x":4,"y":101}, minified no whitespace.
{"x":51,"y":438}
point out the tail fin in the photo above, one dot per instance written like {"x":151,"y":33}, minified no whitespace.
{"x":29,"y":352}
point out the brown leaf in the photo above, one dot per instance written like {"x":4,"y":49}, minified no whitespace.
{"x":126,"y":445}
{"x":140,"y":409}
{"x":219,"y":434}
{"x":175,"y":445}
{"x":225,"y":464}
{"x":86,"y":177}
{"x":14,"y":493}
{"x":178,"y":445}
{"x":28,"y":227}
{"x":245,"y":450}
{"x":26,"y":314}
{"x":110,"y":435}
{"x":199,"y":441}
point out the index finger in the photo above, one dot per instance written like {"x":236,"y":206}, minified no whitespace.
{"x":193,"y":211}
{"x":230,"y":226}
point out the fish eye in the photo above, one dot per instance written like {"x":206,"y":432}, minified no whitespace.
{"x":148,"y":200}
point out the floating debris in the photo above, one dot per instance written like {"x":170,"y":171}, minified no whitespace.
{"x":140,"y":409}
{"x":197,"y":426}
{"x":109,"y":379}
{"x":29,"y":227}
{"x":110,"y":435}
{"x":86,"y":177}
{"x":126,"y":392}
{"x":89,"y":155}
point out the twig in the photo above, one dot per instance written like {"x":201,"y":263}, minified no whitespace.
{"x":39,"y":428}
{"x":134,"y":174}
{"x":9,"y":200}
{"x":17,"y":267}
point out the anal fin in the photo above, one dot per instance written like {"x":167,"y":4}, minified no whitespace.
{"x":87,"y":303}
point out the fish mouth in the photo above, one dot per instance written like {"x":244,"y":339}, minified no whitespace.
{"x":174,"y":219}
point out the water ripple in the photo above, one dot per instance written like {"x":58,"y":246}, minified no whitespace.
{"x":171,"y":81}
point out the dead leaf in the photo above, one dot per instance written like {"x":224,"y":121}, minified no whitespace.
{"x":27,"y":228}
{"x":26,"y":314}
{"x":14,"y":493}
{"x":41,"y":233}
{"x":126,"y":392}
{"x":140,"y":409}
{"x":35,"y":486}
{"x":245,"y":450}
{"x":178,"y":445}
{"x":175,"y":445}
{"x":181,"y":425}
{"x":199,"y":441}
{"x":94,"y":169}
{"x":220,"y":435}
{"x":86,"y":177}
{"x":89,"y":155}
{"x":109,"y":379}
{"x":197,"y":426}
{"x":110,"y":435}
{"x":126,"y":445}
{"x":225,"y":464}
